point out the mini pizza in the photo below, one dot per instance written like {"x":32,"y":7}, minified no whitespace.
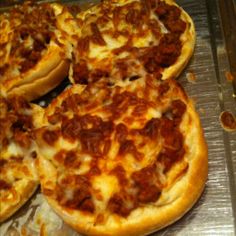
{"x":18,"y":175}
{"x":122,"y":160}
{"x":121,"y":40}
{"x":33,"y":49}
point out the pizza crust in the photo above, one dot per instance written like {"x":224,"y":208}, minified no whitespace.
{"x":24,"y":193}
{"x":39,"y":82}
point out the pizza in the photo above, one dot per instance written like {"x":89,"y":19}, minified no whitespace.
{"x":121,"y":150}
{"x":122,"y":40}
{"x":18,"y":175}
{"x":121,"y":160}
{"x":33,"y":49}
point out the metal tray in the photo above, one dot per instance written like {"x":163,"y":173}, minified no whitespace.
{"x":215,"y":212}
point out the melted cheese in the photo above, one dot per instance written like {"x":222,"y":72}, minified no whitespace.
{"x":106,"y":185}
{"x":28,"y":43}
{"x":13,"y":149}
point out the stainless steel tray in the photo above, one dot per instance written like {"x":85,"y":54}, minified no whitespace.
{"x":215,"y":212}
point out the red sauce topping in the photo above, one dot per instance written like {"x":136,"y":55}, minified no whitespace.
{"x":144,"y":190}
{"x":15,"y":122}
{"x":91,"y":139}
{"x":163,"y":88}
{"x":133,"y":17}
{"x":23,"y":139}
{"x":83,"y":45}
{"x":79,"y":188}
{"x":91,"y":131}
{"x":168,"y":157}
{"x":4,"y":185}
{"x":148,"y":194}
{"x":71,"y":103}
{"x":170,"y":15}
{"x":3,"y":69}
{"x":2,"y":162}
{"x":17,"y":103}
{"x":151,"y":128}
{"x":121,"y":132}
{"x":128,"y":146}
{"x":68,"y":158}
{"x":51,"y":136}
{"x":173,"y":139}
{"x":146,"y":180}
{"x":71,"y":127}
{"x":23,"y":123}
{"x":74,"y":9}
{"x":94,"y":168}
{"x":97,"y":37}
{"x":118,"y":204}
{"x":145,"y":176}
{"x":120,"y":173}
{"x":56,"y":117}
{"x":178,"y":108}
{"x":81,"y":72}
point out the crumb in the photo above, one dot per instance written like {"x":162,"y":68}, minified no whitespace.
{"x":191,"y":77}
{"x":229,"y":77}
{"x":228,"y":121}
{"x":202,"y":111}
{"x":23,"y":231}
{"x":43,"y":229}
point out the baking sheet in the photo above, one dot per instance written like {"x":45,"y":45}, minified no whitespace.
{"x":214,"y":213}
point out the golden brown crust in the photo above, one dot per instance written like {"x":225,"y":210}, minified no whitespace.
{"x":185,"y":183}
{"x":39,"y":86}
{"x":24,"y":194}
